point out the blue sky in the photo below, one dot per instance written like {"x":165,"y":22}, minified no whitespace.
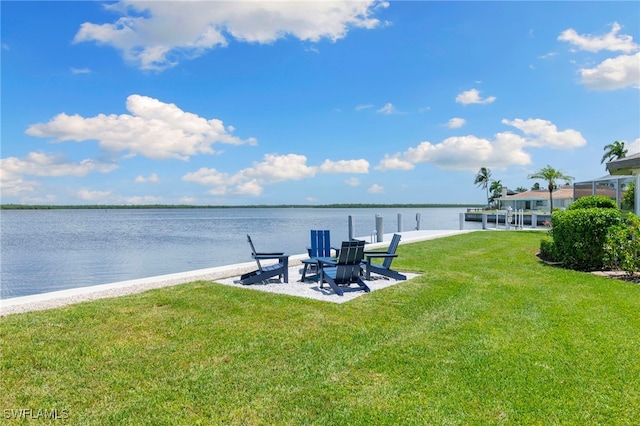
{"x":262,"y":102}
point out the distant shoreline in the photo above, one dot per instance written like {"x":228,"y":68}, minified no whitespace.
{"x":257,"y":206}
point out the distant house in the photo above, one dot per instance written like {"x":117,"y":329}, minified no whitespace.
{"x":538,"y":200}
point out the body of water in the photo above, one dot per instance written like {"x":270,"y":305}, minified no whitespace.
{"x":50,"y":250}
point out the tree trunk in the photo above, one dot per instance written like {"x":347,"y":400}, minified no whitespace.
{"x":551,"y":198}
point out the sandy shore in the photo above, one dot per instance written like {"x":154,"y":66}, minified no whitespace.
{"x":223,"y":274}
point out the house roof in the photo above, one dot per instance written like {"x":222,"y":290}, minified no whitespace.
{"x":606,"y":178}
{"x":561,"y":193}
{"x":624,"y":166}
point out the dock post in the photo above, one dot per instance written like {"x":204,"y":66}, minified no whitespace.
{"x":399,"y":222}
{"x":350,"y":222}
{"x":461,"y":221}
{"x":418,"y":217}
{"x":534,"y":220}
{"x":379,"y":228}
{"x":484,"y":220}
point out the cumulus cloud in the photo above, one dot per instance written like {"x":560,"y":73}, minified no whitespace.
{"x":543,"y":133}
{"x":43,"y":164}
{"x":16,"y":186}
{"x":471,"y":152}
{"x":142,"y":199}
{"x":633,"y":147}
{"x":395,"y":162}
{"x":613,"y":73}
{"x":151,"y":178}
{"x":154,"y":129}
{"x":352,"y":181}
{"x":88,"y":195}
{"x":456,"y":123}
{"x":156,"y":35}
{"x":595,"y":43}
{"x":273,"y":169}
{"x":375,"y":189}
{"x":473,"y":97}
{"x":40,"y":164}
{"x":344,"y":166}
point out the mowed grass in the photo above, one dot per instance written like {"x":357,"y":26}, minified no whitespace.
{"x":486,"y":335}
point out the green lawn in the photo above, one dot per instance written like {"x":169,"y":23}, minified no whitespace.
{"x":486,"y":335}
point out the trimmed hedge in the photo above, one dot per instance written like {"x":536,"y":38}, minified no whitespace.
{"x":579,"y":236}
{"x":593,"y":201}
{"x":622,"y":246}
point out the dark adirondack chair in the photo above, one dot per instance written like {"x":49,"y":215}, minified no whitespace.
{"x":263,"y":273}
{"x":320,"y":248}
{"x":346,"y":269}
{"x":385,"y":267}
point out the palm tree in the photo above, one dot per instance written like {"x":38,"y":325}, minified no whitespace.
{"x":614,"y":151}
{"x":482,"y":180}
{"x":551,"y":175}
{"x":496,"y":191}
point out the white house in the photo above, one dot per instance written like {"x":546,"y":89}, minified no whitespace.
{"x":538,"y":200}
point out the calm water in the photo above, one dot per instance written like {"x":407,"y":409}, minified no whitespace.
{"x":49,"y":250}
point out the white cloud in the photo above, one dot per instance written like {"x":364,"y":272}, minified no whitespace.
{"x":80,"y":71}
{"x":610,"y":41}
{"x":49,"y":165}
{"x":152,"y":178}
{"x":375,"y":189}
{"x":154,"y":129}
{"x":394,"y":162}
{"x":548,"y":55}
{"x":471,"y":152}
{"x":388,"y":109}
{"x":188,"y":200}
{"x":248,"y":188}
{"x":16,"y":186}
{"x":278,"y":168}
{"x":363,"y":106}
{"x":273,"y":169}
{"x":613,"y":73}
{"x":87,"y":195}
{"x":142,"y":199}
{"x":543,"y":133}
{"x":344,"y":166}
{"x":473,"y":97}
{"x":155,"y":35}
{"x":40,"y":164}
{"x":456,"y":123}
{"x":352,"y":181}
{"x":633,"y":147}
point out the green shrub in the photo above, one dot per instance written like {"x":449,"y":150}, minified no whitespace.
{"x":548,"y":250}
{"x":629,"y":198}
{"x":579,"y":236}
{"x":622,"y":246}
{"x":593,"y":201}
